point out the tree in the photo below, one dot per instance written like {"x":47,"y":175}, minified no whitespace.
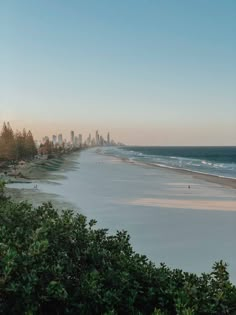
{"x":8,"y":148}
{"x":20,"y":145}
{"x":59,"y":263}
{"x":2,"y":189}
{"x":30,"y":147}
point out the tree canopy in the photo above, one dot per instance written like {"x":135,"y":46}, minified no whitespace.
{"x":60,"y":263}
{"x":16,"y":146}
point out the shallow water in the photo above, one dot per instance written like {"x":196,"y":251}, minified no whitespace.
{"x":118,"y":194}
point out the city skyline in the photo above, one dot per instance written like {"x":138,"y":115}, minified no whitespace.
{"x":77,"y":140}
{"x":152,"y":73}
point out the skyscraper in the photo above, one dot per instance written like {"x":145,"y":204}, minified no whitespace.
{"x":76,"y":141}
{"x":60,"y":139}
{"x":54,"y":139}
{"x":108,"y":138}
{"x":72,"y":137}
{"x":89,"y":139}
{"x":80,"y":140}
{"x":101,"y":140}
{"x":97,"y":138}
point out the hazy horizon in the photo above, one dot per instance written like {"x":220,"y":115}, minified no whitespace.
{"x":149,"y":72}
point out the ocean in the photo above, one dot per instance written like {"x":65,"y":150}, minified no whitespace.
{"x":219,"y":161}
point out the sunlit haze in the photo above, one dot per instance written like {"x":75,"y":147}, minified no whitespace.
{"x":149,"y":72}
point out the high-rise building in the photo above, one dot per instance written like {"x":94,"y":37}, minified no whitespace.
{"x":108,"y":138}
{"x":76,"y":142}
{"x":72,"y":137}
{"x":80,"y":140}
{"x":54,"y":139}
{"x":89,"y":139}
{"x":60,"y":139}
{"x":101,"y":140}
{"x":97,"y":137}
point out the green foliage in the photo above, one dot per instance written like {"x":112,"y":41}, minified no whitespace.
{"x":7,"y":143}
{"x":16,"y":146}
{"x":2,"y":186}
{"x":53,"y":263}
{"x":2,"y":189}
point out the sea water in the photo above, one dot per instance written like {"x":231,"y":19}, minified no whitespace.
{"x":219,"y":161}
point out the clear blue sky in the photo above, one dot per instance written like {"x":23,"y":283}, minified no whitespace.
{"x":152,"y":72}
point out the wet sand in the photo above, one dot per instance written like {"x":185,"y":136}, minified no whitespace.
{"x":40,"y":173}
{"x":227,"y":182}
{"x":36,"y":197}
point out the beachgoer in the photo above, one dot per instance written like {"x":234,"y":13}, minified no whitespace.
{"x":188,"y":186}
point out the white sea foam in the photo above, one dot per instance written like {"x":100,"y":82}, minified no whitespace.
{"x":202,"y":166}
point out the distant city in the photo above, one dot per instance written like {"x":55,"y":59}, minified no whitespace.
{"x":77,"y":141}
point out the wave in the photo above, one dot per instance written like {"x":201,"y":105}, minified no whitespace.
{"x":191,"y":164}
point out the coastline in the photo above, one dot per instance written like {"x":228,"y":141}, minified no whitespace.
{"x":35,"y":169}
{"x":34,"y":174}
{"x":37,"y":198}
{"x":226,"y":182}
{"x":148,"y":199}
{"x":38,"y":171}
{"x":222,"y":181}
{"x":185,"y":228}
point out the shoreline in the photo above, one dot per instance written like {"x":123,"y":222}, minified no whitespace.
{"x":30,"y":169}
{"x":41,"y":171}
{"x":37,"y":198}
{"x":154,"y":201}
{"x":226,"y":182}
{"x":38,"y":169}
{"x":222,"y":181}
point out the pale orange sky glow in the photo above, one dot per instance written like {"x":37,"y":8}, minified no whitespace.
{"x":137,"y":134}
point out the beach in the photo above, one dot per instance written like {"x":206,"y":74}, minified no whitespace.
{"x":224,"y":181}
{"x":187,"y":228}
{"x":227,"y":182}
{"x":34,"y":174}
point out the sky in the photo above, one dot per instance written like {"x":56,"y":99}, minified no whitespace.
{"x":152,"y":72}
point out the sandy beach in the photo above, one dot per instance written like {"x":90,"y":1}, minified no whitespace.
{"x":228,"y":182}
{"x":185,"y":228}
{"x":36,"y":173}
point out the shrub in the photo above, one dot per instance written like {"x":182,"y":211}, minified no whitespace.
{"x":2,"y":189}
{"x":53,"y":263}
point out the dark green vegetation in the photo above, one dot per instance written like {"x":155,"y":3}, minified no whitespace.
{"x":16,"y":146}
{"x":53,"y":263}
{"x":2,"y":190}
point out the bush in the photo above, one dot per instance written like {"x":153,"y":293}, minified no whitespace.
{"x":53,"y":263}
{"x":2,"y":189}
